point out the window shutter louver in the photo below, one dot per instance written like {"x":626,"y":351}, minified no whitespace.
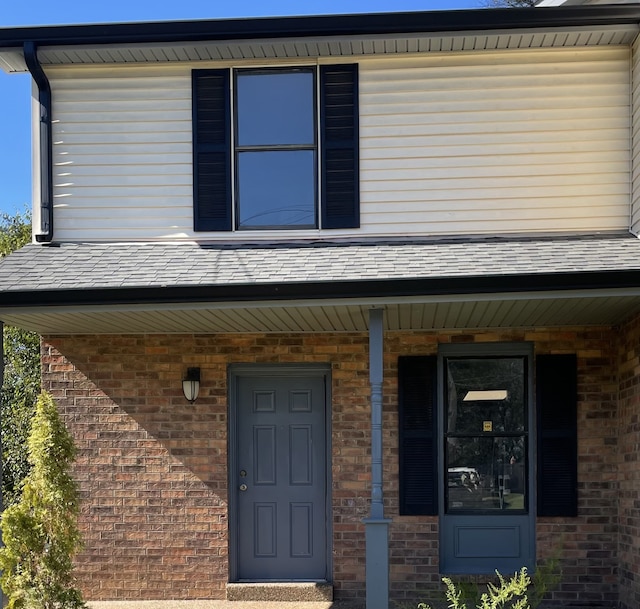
{"x":211,"y":150}
{"x":417,"y":399}
{"x":556,"y":399}
{"x":339,"y":146}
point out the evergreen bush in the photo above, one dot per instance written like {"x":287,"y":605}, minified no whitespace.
{"x":40,"y":531}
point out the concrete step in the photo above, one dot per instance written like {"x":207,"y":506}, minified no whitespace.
{"x":283,"y":592}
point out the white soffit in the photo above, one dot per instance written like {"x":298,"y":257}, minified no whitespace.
{"x":466,"y":312}
{"x":12,"y":60}
{"x":328,"y":47}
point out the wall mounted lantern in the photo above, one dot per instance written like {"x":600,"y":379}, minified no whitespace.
{"x":191,"y":385}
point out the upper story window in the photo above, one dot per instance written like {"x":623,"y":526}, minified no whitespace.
{"x":275,"y":149}
{"x":266,"y":158}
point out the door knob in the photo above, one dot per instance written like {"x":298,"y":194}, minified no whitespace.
{"x":243,"y":487}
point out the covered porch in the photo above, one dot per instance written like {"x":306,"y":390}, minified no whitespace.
{"x":119,"y":334}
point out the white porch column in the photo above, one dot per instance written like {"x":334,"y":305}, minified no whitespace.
{"x":376,"y":526}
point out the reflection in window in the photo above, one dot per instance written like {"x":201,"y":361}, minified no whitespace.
{"x":486,"y":473}
{"x":276,"y":188}
{"x":485,"y":429}
{"x":498,"y":387}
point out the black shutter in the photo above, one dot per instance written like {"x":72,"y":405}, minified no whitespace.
{"x":417,"y":399}
{"x":556,"y":399}
{"x":339,"y":144}
{"x":211,"y":150}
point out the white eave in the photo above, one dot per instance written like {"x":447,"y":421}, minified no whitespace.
{"x":12,"y":59}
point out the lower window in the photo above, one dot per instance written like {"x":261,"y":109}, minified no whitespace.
{"x":469,"y":439}
{"x":485,"y":434}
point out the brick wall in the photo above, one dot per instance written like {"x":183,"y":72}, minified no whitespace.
{"x":152,"y":468}
{"x":587,"y":543}
{"x":629,"y":464}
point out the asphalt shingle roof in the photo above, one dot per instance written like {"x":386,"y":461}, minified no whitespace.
{"x":79,"y":266}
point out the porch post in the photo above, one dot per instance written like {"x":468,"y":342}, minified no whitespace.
{"x":376,"y":526}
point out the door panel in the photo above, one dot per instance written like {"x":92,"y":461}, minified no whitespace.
{"x":281,"y":477}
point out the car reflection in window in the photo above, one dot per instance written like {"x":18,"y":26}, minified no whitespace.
{"x":470,"y":490}
{"x":467,"y":477}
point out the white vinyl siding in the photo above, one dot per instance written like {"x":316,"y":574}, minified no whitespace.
{"x":460,"y":143}
{"x":122,"y":154}
{"x":635,"y":100}
{"x":496,"y":143}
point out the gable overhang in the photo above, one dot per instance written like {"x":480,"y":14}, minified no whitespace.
{"x":327,"y":36}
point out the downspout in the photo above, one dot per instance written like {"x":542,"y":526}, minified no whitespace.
{"x":44,"y":233}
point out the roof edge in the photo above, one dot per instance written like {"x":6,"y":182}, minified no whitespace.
{"x":320,"y":25}
{"x":305,"y":291}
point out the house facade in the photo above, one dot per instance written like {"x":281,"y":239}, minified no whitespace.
{"x":400,"y":255}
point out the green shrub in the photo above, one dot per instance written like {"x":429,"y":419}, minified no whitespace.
{"x":510,"y":593}
{"x":546,"y":578}
{"x":40,"y":531}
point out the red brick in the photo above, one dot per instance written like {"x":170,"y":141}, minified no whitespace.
{"x":152,"y":469}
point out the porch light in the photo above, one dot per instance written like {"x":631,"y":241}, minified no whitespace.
{"x":191,"y":385}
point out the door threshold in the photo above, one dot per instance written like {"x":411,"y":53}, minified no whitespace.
{"x":295,"y":592}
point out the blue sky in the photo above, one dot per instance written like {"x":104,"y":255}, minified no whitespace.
{"x":15,"y":126}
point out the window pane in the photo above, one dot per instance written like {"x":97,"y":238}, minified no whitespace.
{"x":276,"y":189}
{"x":275,"y":108}
{"x":487,"y":473}
{"x":485,"y":395}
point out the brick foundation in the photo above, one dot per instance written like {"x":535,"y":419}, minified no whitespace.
{"x":153,"y":469}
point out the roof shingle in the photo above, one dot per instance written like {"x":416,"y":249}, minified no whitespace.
{"x":80,"y":266}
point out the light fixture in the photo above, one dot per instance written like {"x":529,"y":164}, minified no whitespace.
{"x":191,"y":385}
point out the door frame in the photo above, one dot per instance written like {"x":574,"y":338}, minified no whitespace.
{"x":488,"y":350}
{"x":235,"y":373}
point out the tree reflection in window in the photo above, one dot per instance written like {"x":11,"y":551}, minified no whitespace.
{"x":486,"y":434}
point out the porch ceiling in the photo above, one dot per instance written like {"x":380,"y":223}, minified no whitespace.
{"x":469,"y":311}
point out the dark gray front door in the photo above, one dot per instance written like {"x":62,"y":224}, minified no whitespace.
{"x":281,"y":477}
{"x":487,"y":504}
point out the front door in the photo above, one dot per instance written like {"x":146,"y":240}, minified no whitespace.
{"x":486,"y":500}
{"x":279,"y":477}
